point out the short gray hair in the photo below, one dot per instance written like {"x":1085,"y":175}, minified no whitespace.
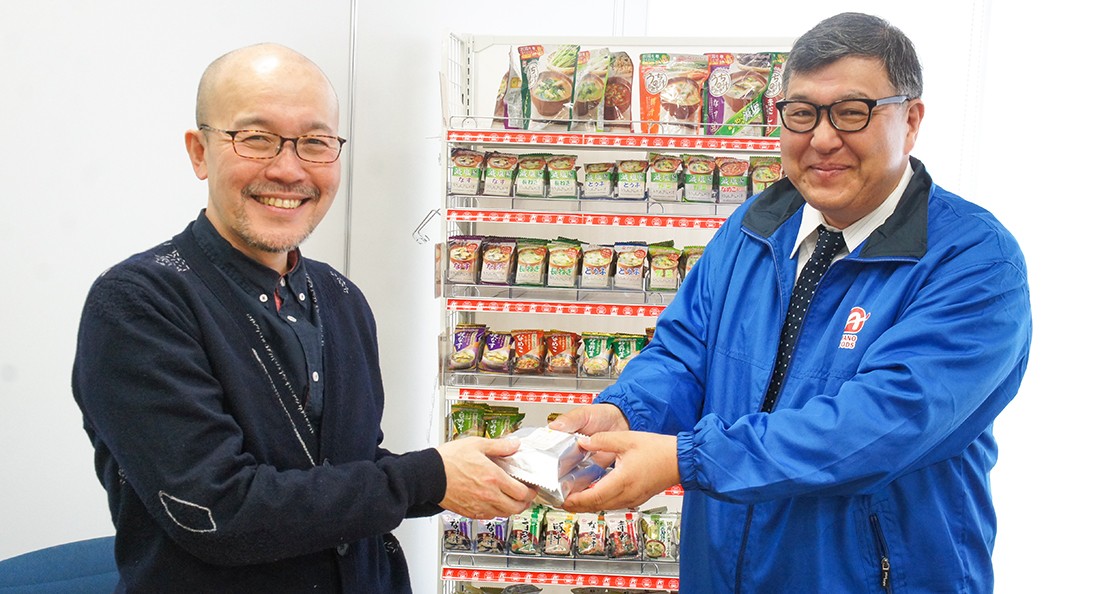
{"x":853,"y":34}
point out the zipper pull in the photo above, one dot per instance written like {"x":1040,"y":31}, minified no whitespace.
{"x":885,"y":573}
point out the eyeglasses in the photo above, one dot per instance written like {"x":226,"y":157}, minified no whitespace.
{"x":258,"y":144}
{"x":848,"y":115}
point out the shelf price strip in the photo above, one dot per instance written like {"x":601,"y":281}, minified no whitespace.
{"x":506,"y":576}
{"x":556,"y":397}
{"x":545,"y":307}
{"x":476,"y":215}
{"x":615,"y":140}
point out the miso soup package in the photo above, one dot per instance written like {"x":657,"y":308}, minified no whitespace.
{"x":549,"y":73}
{"x":735,"y":93}
{"x":619,"y":94}
{"x":588,"y":93}
{"x":671,"y":93}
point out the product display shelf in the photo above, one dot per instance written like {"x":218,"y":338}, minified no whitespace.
{"x":472,"y":66}
{"x":547,"y":571}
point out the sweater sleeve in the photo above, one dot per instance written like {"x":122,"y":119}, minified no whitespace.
{"x":151,"y":381}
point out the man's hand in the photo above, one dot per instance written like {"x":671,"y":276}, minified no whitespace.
{"x":591,"y":419}
{"x":476,"y":486}
{"x":645,"y":465}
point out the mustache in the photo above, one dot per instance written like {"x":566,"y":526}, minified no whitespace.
{"x":299,"y":189}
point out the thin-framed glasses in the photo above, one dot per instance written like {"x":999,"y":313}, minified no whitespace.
{"x":846,"y":115}
{"x":260,"y":144}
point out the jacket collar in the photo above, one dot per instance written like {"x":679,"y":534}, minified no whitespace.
{"x":904,"y":234}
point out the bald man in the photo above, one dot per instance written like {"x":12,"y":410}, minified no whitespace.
{"x":231,"y":387}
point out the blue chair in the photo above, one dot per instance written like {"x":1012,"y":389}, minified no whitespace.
{"x":84,"y":567}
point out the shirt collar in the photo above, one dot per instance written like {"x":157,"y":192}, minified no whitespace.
{"x":858,"y":231}
{"x":245,"y":271}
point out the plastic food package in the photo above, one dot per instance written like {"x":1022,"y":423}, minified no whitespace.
{"x":552,"y":462}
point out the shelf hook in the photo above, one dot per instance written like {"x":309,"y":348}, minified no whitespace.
{"x":418,"y":233}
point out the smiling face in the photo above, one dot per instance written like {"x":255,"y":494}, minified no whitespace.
{"x":846,"y":175}
{"x":265,"y":208}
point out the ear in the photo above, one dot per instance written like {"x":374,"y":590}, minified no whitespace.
{"x":196,"y":150}
{"x":914,"y":116}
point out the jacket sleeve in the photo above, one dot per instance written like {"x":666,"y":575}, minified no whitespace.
{"x":164,"y":432}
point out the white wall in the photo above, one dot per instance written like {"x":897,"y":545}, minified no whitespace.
{"x":86,"y":74}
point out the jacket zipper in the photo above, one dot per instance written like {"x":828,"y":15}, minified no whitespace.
{"x":883,"y":553}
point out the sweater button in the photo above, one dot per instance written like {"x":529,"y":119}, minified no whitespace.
{"x":342,"y":550}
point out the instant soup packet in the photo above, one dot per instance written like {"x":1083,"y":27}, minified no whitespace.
{"x":468,"y":339}
{"x":619,"y":94}
{"x":500,"y":174}
{"x":735,"y":93}
{"x":531,"y":176}
{"x":548,"y":77}
{"x":465,"y":174}
{"x":773,"y":94}
{"x":588,"y":93}
{"x":671,"y":93}
{"x":552,"y":462}
{"x":562,"y":176}
{"x":508,"y":110}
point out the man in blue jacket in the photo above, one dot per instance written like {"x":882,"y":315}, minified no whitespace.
{"x":844,"y":445}
{"x":231,"y":386}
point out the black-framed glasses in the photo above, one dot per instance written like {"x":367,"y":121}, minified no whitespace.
{"x":846,"y":115}
{"x":260,"y":144}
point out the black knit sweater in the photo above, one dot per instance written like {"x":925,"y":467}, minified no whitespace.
{"x":214,"y":477}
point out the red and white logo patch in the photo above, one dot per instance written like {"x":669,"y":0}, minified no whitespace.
{"x":856,"y":319}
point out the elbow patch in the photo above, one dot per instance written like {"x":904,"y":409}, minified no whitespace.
{"x":189,"y":516}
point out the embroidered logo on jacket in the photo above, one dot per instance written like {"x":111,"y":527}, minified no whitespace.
{"x":856,"y":319}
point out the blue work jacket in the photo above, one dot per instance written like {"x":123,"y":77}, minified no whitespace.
{"x":871,"y":474}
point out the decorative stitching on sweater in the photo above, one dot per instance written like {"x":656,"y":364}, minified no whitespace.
{"x":289,"y":418}
{"x":192,"y":517}
{"x":172,"y":260}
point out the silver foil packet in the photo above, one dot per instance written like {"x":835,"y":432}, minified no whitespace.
{"x":552,"y":462}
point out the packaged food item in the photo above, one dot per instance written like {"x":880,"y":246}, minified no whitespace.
{"x":552,"y":462}
{"x":735,"y":92}
{"x":631,"y":181}
{"x":660,"y":535}
{"x":596,"y":266}
{"x":664,"y":268}
{"x":663,"y":178}
{"x":630,"y":260}
{"x":467,"y":420}
{"x":699,"y":178}
{"x":774,"y":93}
{"x":531,"y":176}
{"x":496,"y":355}
{"x":500,"y":173}
{"x":525,"y":531}
{"x":501,"y":421}
{"x":618,"y":96}
{"x":491,"y":536}
{"x":733,"y":180}
{"x":671,"y":92}
{"x":591,"y":535}
{"x":466,"y":343}
{"x":763,"y":172}
{"x":463,"y":258}
{"x":622,"y":534}
{"x":529,"y":351}
{"x":596,"y":353}
{"x":465,"y":172}
{"x":599,"y":180}
{"x":626,"y":347}
{"x":560,"y":533}
{"x":561,"y":352}
{"x":688,"y":257}
{"x":531,"y":262}
{"x":549,"y":77}
{"x":562,"y":176}
{"x":588,"y":94}
{"x":563,"y":263}
{"x":508,"y":109}
{"x":457,"y":532}
{"x":497,"y":260}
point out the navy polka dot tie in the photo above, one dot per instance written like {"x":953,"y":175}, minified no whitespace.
{"x":828,"y":246}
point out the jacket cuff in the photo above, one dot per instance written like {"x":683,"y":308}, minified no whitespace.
{"x":426,"y":475}
{"x":685,"y":459}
